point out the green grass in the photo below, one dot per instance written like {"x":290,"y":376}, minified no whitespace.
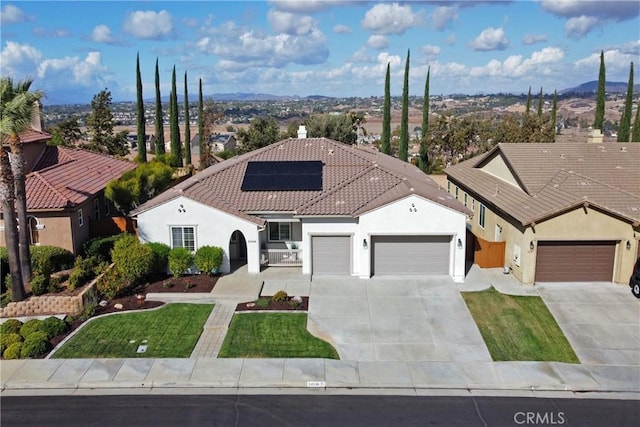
{"x":279,"y":335}
{"x":171,"y":331}
{"x":518,"y":328}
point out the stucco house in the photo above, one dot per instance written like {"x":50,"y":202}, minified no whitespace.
{"x":65,"y":191}
{"x":321,"y":205}
{"x":566,"y":212}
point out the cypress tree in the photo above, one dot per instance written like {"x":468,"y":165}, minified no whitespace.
{"x":142,"y":134}
{"x":599,"y":121}
{"x":187,"y":129}
{"x":159,"y":118}
{"x":540,"y":103}
{"x":201,"y":136}
{"x":176,"y":146}
{"x":528,"y":102}
{"x":385,"y":145}
{"x":554,"y":112}
{"x":403,"y":150}
{"x":423,"y":159}
{"x":625,"y":122}
{"x":635,"y":136}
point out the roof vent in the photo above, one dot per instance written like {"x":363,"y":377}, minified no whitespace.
{"x":623,"y":149}
{"x":331,"y":151}
{"x":603,"y":148}
{"x":302,"y":132}
{"x":562,"y":156}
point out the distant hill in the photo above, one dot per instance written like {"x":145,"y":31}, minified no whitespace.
{"x":592,"y":87}
{"x":240,"y":96}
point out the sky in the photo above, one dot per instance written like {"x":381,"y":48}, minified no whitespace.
{"x":74,"y":49}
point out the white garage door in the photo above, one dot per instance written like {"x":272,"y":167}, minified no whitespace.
{"x":331,"y":255}
{"x":411,"y":255}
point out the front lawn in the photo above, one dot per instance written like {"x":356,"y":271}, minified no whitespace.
{"x":518,"y":328}
{"x":171,"y":331}
{"x":279,"y":335}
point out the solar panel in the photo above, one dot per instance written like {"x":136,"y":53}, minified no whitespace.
{"x":283,"y":176}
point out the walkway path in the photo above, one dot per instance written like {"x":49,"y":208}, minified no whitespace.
{"x":214,"y":330}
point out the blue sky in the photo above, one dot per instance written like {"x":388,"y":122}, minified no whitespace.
{"x":74,"y":49}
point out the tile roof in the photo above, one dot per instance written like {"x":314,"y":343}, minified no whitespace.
{"x":557,"y":177}
{"x":31,"y":135}
{"x":64,"y":177}
{"x":355,"y":180}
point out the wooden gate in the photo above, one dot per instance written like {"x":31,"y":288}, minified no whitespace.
{"x":489,"y":254}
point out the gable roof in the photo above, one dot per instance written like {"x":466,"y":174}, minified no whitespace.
{"x":65,"y":177}
{"x":355,"y":181}
{"x":557,"y":177}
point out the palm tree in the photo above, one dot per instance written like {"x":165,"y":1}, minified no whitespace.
{"x":16,"y":116}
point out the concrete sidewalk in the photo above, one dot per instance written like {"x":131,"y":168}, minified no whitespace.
{"x":140,"y":376}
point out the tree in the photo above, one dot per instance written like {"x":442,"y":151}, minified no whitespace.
{"x":18,"y":106}
{"x":625,"y":122}
{"x":423,"y":156}
{"x":176,"y":146}
{"x":142,"y":133}
{"x":336,"y":127}
{"x":139,"y":185}
{"x":187,"y":130}
{"x":203,"y":148}
{"x":100,"y":126}
{"x":554,"y":111}
{"x":403,"y":151}
{"x":600,"y":98}
{"x":528,"y":108}
{"x":159,"y":117}
{"x":385,"y":143}
{"x":635,"y":136}
{"x":66,"y":133}
{"x":261,"y":132}
{"x":540,"y":103}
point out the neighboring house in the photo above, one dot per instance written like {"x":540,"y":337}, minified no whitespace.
{"x":566,"y":212}
{"x":222,"y":141}
{"x":132,"y":141}
{"x":65,"y":191}
{"x":327,"y":207}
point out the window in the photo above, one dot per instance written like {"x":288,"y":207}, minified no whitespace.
{"x":106,"y":207}
{"x":34,"y":226}
{"x":80,"y":218}
{"x":473,"y":204}
{"x":456,"y":193}
{"x":183,"y":237}
{"x":482,"y":215}
{"x":449,"y":187}
{"x":465,"y":199}
{"x":96,"y":208}
{"x":279,"y":231}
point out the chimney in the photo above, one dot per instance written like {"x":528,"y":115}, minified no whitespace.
{"x":36,"y":117}
{"x":302,"y":132}
{"x":595,"y":137}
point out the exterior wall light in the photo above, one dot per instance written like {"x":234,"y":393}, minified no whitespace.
{"x":364,"y":243}
{"x":531,"y":245}
{"x":459,"y":243}
{"x":628,"y":245}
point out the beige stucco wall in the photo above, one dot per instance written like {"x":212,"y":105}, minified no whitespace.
{"x":498,"y":168}
{"x":56,"y":231}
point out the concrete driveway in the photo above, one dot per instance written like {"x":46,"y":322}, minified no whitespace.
{"x":394,"y":319}
{"x":601,"y":321}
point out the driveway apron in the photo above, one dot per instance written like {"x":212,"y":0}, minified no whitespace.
{"x":394,"y":319}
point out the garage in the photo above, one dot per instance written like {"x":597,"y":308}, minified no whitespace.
{"x":588,"y":261}
{"x":331,"y":255}
{"x":410,"y":255}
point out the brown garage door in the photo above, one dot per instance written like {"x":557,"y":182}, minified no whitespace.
{"x":590,"y":261}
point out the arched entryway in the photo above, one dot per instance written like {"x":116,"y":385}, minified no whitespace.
{"x":237,"y":250}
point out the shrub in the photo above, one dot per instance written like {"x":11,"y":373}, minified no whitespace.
{"x":53,"y":326}
{"x":82,"y":271}
{"x":133,"y":259}
{"x":49,"y":259}
{"x":111,"y":283}
{"x":160,"y":256}
{"x":29,"y":327}
{"x":7,"y":339}
{"x":180,"y":259}
{"x":262,"y":302}
{"x":208,"y":258}
{"x":11,"y":326}
{"x":40,"y":283}
{"x":54,"y":284}
{"x":35,"y":345}
{"x":280,"y":296}
{"x":13,"y":351}
{"x":100,"y":247}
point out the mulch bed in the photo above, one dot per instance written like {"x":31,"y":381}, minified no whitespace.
{"x":274,"y":306}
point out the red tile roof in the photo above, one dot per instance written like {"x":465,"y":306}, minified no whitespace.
{"x":65,"y":177}
{"x":557,"y":177}
{"x":355,"y":181}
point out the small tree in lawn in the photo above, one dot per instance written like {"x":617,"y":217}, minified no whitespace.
{"x":208,"y":259}
{"x":180,"y":260}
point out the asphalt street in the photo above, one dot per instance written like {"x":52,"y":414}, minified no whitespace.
{"x":314,"y":410}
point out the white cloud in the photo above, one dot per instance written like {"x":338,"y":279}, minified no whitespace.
{"x":307,"y":6}
{"x":378,"y":42}
{"x":72,"y":69}
{"x":451,"y":39}
{"x":149,"y":25}
{"x":442,"y":16}
{"x":342,"y":29}
{"x":361,"y":55}
{"x":490,"y":39}
{"x":391,"y":19}
{"x":19,"y":60}
{"x":578,"y":27}
{"x":515,"y":66}
{"x":102,"y":34}
{"x":616,"y":60}
{"x":618,"y":10}
{"x":534,"y":38}
{"x":288,"y":23}
{"x":430,"y":50}
{"x":57,"y":33}
{"x":11,"y":14}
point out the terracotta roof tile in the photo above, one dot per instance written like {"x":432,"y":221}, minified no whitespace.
{"x":355,"y":181}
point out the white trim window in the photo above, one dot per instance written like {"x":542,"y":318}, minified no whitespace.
{"x":183,"y":237}
{"x":80,"y":218}
{"x":279,"y":231}
{"x":457,"y":193}
{"x":465,"y":199}
{"x":481,"y":217}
